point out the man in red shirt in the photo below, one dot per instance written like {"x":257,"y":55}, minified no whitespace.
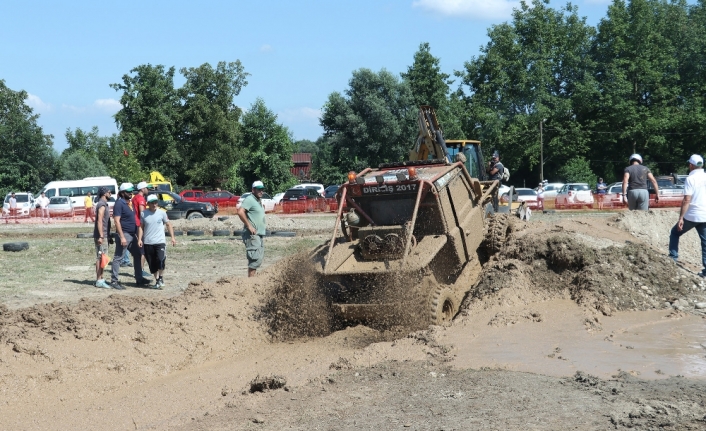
{"x":139,"y":203}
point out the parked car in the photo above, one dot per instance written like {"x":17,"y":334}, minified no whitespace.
{"x":551,"y":190}
{"x":266,"y":200}
{"x":330,"y":191}
{"x":574,"y":195}
{"x":528,"y":196}
{"x":220,"y":199}
{"x":178,"y":208}
{"x":319,"y":187}
{"x":277,"y":198}
{"x":303,"y":199}
{"x":25,"y":204}
{"x":61,"y":206}
{"x":192,"y":195}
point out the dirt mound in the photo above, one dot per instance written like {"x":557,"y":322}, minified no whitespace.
{"x":630,"y":277}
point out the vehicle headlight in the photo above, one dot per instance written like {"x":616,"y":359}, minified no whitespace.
{"x":208,"y":206}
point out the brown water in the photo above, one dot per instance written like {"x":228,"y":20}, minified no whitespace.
{"x":648,"y":344}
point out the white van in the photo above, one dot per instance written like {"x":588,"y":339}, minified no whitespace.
{"x":77,"y":189}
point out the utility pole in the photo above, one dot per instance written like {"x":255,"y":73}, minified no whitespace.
{"x":541,"y":152}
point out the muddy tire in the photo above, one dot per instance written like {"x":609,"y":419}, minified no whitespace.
{"x":84,"y":235}
{"x":443,"y":306}
{"x":223,"y":218}
{"x":282,"y":233}
{"x":498,"y":229}
{"x":176,"y":232}
{"x":221,"y":233}
{"x":194,"y":233}
{"x":15,"y":246}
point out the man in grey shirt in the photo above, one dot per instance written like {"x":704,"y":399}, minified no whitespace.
{"x":635,"y":179}
{"x":150,"y":235}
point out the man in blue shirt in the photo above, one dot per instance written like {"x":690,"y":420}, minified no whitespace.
{"x":126,"y":228}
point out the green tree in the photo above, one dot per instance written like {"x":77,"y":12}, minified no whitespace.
{"x":537,"y":67}
{"x":306,"y":146}
{"x":27,"y":160}
{"x":269,"y":149}
{"x":323,"y":168}
{"x":78,"y":165}
{"x":638,"y":79}
{"x":577,"y":170}
{"x":431,"y":87}
{"x":149,"y":120}
{"x":209,"y":135}
{"x":374,"y":121}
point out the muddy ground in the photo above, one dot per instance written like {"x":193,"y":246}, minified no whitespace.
{"x":579,"y":322}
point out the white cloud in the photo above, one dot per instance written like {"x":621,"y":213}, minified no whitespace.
{"x":266,"y":48}
{"x":108,"y":105}
{"x":300,"y":115}
{"x":471,"y":9}
{"x":37,"y":104}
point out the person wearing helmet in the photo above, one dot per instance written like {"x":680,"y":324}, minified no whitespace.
{"x":693,"y":210}
{"x":635,"y":191}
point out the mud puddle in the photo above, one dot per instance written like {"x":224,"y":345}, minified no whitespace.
{"x":558,"y":338}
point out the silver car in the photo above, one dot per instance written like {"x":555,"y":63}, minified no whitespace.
{"x":61,"y":206}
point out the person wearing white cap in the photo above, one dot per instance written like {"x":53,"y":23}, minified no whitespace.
{"x":150,"y":235}
{"x":635,"y":190}
{"x":693,"y":210}
{"x":139,"y":203}
{"x":252,"y":214}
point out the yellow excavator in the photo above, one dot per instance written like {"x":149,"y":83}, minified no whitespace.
{"x":158,"y":182}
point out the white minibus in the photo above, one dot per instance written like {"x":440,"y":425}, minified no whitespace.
{"x":77,"y":189}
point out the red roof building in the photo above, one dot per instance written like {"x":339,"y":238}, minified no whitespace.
{"x":302,"y":165}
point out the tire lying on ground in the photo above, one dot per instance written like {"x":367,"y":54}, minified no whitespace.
{"x":176,"y":233}
{"x":221,"y":233}
{"x":84,"y":235}
{"x":238,"y":233}
{"x":15,"y":246}
{"x":194,"y":232}
{"x":223,"y":218}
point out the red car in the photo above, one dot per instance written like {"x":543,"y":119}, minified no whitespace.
{"x":303,"y":200}
{"x":221,"y":199}
{"x":192,"y":195}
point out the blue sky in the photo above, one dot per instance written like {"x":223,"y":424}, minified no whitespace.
{"x":65,"y":54}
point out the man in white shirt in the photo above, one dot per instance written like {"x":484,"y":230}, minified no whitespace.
{"x":13,"y":208}
{"x":693,"y":210}
{"x":43,"y":202}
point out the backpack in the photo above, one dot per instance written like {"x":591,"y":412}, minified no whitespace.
{"x":506,"y":174}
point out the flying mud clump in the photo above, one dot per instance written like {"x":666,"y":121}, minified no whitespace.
{"x":619,"y":277}
{"x":296,"y":305}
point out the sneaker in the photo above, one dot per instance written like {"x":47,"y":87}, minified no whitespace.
{"x":160,"y":281}
{"x":143,"y":282}
{"x":129,"y":264}
{"x":156,"y":286}
{"x":102,"y":284}
{"x":146,"y":274}
{"x":117,"y":286}
{"x":702,"y":274}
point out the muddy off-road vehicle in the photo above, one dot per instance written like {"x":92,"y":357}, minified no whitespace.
{"x":405,"y":246}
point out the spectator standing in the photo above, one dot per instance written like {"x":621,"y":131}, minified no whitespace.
{"x":139,"y":203}
{"x":540,"y":195}
{"x":88,"y":203}
{"x":150,"y":236}
{"x":495,"y":172}
{"x":43,"y":202}
{"x":101,"y":233}
{"x":635,"y":179}
{"x":601,"y":189}
{"x":252,"y":214}
{"x":126,"y":227}
{"x":693,"y":210}
{"x":13,"y":208}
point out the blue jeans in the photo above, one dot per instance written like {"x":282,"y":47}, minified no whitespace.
{"x":675,"y":234}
